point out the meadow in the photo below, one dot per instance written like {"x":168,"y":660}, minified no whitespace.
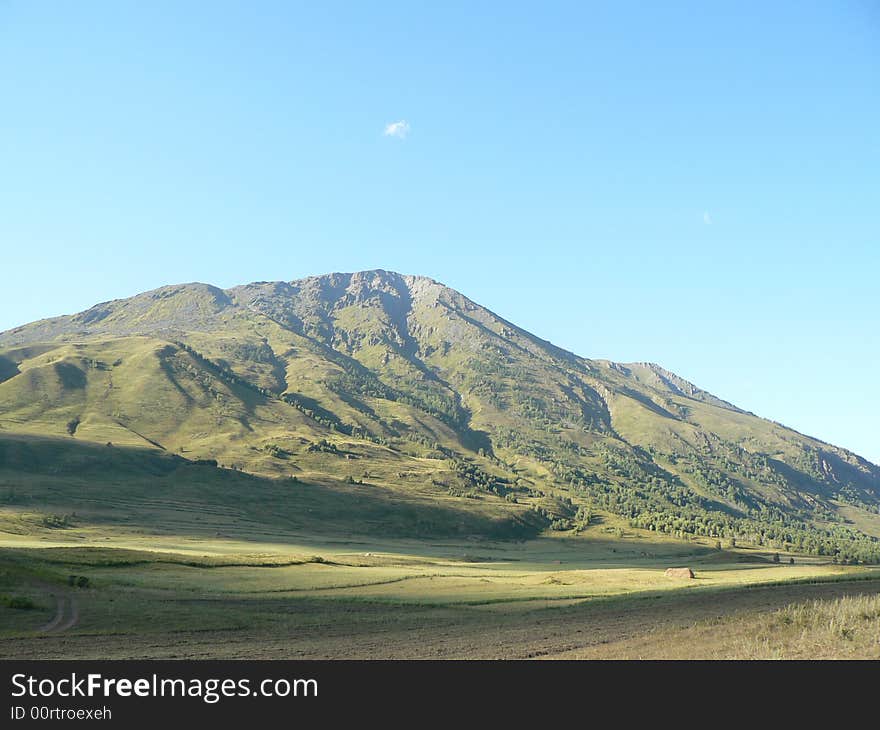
{"x":167,"y":596}
{"x":124,"y":553}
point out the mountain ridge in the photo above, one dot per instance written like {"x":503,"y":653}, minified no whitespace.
{"x":280,"y":378}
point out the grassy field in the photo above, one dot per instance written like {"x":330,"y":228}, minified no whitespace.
{"x":166,"y":596}
{"x":179,"y":559}
{"x":832,"y":626}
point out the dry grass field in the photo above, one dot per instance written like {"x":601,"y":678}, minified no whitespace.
{"x":164,"y":597}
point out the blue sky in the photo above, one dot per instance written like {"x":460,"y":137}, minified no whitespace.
{"x":695,"y":185}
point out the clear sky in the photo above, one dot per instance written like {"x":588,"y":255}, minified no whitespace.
{"x":696,"y":185}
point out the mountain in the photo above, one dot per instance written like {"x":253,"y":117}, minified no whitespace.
{"x":426,"y":398}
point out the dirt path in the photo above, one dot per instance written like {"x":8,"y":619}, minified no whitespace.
{"x":66,"y":613}
{"x":56,"y":619}
{"x":73,"y":617}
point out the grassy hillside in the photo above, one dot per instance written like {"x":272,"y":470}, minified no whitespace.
{"x":53,"y":489}
{"x":427,"y":398}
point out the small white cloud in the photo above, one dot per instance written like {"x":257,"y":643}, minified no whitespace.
{"x":707,"y":219}
{"x":397,"y":129}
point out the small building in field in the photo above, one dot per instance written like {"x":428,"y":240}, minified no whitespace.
{"x":679,"y":573}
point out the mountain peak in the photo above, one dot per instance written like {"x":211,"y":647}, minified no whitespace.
{"x":376,"y":280}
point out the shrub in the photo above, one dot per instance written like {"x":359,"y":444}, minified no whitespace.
{"x":18,"y":602}
{"x":560,"y":525}
{"x":275,"y":451}
{"x":56,"y":522}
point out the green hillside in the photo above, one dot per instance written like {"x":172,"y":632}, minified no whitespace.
{"x":380,"y":403}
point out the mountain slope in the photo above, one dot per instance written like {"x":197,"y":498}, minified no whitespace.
{"x":407,"y":384}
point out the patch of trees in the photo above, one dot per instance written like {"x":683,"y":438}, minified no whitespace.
{"x":276,"y":452}
{"x":767,"y":526}
{"x":254,"y":352}
{"x":475,"y":478}
{"x":325,"y":447}
{"x":440,"y":451}
{"x":57,"y":522}
{"x":628,"y":484}
{"x":95,"y":364}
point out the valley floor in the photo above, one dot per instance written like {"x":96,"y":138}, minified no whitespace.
{"x":156,"y":597}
